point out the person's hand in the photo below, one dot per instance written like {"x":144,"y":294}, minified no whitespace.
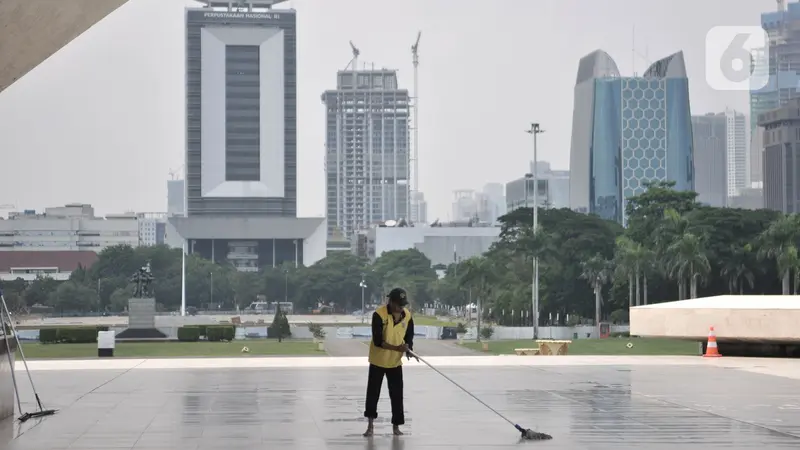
{"x":409,"y":355}
{"x":402,"y":348}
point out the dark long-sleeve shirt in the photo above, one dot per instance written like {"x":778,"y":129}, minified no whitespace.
{"x":377,"y":330}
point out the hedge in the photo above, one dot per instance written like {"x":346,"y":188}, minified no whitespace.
{"x":189,"y":334}
{"x":70,"y":335}
{"x":216,"y":333}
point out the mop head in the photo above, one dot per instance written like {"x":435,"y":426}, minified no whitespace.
{"x":34,"y":415}
{"x":535,"y":435}
{"x":531,"y":435}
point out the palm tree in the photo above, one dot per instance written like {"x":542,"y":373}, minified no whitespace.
{"x":778,"y":242}
{"x":737,"y":270}
{"x":624,"y":266}
{"x":633,"y":260}
{"x":596,"y":270}
{"x":688,"y":260}
{"x":479,"y":274}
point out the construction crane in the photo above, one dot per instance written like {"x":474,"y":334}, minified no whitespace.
{"x":356,"y":53}
{"x":413,"y":200}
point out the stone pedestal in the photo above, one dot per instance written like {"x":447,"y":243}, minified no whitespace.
{"x":141,"y":320}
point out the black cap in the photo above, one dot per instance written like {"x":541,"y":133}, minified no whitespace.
{"x":398,"y":296}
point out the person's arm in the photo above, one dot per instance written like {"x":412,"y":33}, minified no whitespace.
{"x":409,"y":338}
{"x":377,"y":330}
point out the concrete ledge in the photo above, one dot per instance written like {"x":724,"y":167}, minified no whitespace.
{"x":6,"y":384}
{"x":743,"y":319}
{"x":33,"y":30}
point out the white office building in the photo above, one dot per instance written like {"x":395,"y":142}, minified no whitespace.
{"x":443,"y":244}
{"x":69,"y":227}
{"x":152,"y":228}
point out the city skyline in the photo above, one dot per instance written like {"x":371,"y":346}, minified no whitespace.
{"x":88,"y":114}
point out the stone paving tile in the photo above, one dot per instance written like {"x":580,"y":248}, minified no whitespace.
{"x":583,"y":407}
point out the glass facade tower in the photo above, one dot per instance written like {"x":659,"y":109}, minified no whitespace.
{"x":627,"y":131}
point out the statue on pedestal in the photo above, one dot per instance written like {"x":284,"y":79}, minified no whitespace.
{"x":143,"y":279}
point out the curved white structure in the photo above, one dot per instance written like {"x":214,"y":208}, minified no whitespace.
{"x":762,"y":319}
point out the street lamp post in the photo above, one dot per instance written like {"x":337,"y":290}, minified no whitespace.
{"x":286,"y":286}
{"x":211,"y":292}
{"x":535,"y":130}
{"x":363,"y":286}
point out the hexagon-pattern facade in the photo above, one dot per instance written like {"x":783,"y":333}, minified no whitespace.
{"x":644,"y":134}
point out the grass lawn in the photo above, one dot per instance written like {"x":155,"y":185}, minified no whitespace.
{"x":175,"y":349}
{"x":610,"y":346}
{"x":430,"y":321}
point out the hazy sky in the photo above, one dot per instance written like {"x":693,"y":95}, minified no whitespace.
{"x":102,"y":121}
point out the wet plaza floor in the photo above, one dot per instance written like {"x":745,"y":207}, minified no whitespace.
{"x":597,"y":405}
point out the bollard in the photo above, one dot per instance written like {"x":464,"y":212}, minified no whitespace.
{"x":106,"y":341}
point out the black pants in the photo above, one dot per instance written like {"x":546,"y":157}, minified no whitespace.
{"x":394,"y":378}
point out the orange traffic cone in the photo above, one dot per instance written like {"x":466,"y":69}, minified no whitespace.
{"x":711,"y":349}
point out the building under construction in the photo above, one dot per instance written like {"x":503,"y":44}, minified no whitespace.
{"x":368,"y":157}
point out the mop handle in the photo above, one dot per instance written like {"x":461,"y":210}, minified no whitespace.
{"x":461,"y":387}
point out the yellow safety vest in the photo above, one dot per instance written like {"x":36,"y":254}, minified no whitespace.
{"x":392,"y":334}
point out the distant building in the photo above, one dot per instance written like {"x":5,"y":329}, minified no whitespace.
{"x":553,"y":188}
{"x":71,"y":227}
{"x":628,"y":131}
{"x":367,"y":145}
{"x":152,"y":228}
{"x":465,"y":206}
{"x":783,"y":68}
{"x":241,"y":153}
{"x":176,"y":197}
{"x":748,"y":198}
{"x":710,"y":159}
{"x":720,"y":156}
{"x":494,"y":194}
{"x":782,"y":157}
{"x":58,"y":264}
{"x":441,"y":244}
{"x":419,"y":210}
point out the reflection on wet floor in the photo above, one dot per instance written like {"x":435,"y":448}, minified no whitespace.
{"x":597,"y":407}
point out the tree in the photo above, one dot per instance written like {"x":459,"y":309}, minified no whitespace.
{"x":596,"y":271}
{"x":38,"y":292}
{"x":72,"y":297}
{"x":645,"y":211}
{"x":738,"y":269}
{"x":778,"y":242}
{"x":280,"y":326}
{"x":409,"y":269}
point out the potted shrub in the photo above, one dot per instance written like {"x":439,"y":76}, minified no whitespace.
{"x":461,"y":330}
{"x":486,"y":334}
{"x":319,"y":335}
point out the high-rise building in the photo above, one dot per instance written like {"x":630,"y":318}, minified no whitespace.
{"x":419,"y":208}
{"x":710,"y":159}
{"x":152,"y":228}
{"x":736,"y":152}
{"x":782,"y":157}
{"x":367,"y":145}
{"x":783,"y":66}
{"x":465,"y":206}
{"x":176,"y":197}
{"x":241,"y":150}
{"x":628,"y":131}
{"x":495,"y":200}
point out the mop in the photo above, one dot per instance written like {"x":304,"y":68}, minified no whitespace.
{"x":7,"y":323}
{"x":527,"y":433}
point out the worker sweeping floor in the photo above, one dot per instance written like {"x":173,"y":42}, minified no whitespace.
{"x":598,"y":403}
